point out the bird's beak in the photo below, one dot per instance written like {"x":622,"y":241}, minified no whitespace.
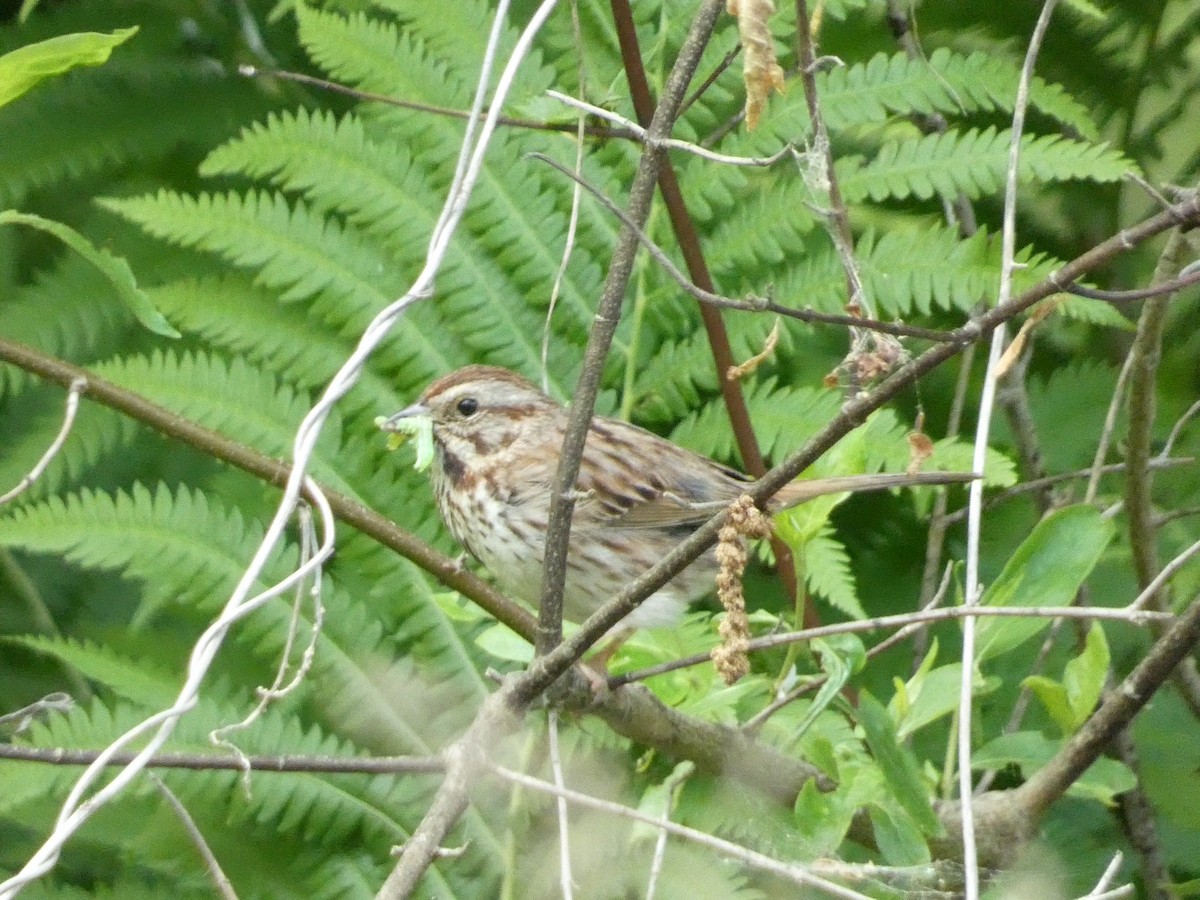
{"x":392,"y":423}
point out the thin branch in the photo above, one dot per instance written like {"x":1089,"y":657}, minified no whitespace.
{"x":753,"y":724}
{"x":1118,"y":708}
{"x":1037,"y":485}
{"x":608,"y":313}
{"x":903,"y":620}
{"x":688,"y":238}
{"x":211,"y":864}
{"x":546,"y":669}
{"x":1156,"y":290}
{"x":744,"y":855}
{"x":1145,"y":357}
{"x":79,"y":806}
{"x":274,"y":472}
{"x":205,"y":762}
{"x":972,"y":589}
{"x":670,"y":143}
{"x":1150,"y":591}
{"x":600,"y":131}
{"x":77,"y":386}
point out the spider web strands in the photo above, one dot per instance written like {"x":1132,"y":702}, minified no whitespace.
{"x":76,"y":810}
{"x":973,"y":590}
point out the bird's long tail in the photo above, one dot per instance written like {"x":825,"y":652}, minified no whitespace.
{"x":800,"y":491}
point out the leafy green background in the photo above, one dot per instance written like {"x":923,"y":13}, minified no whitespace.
{"x":268,"y":221}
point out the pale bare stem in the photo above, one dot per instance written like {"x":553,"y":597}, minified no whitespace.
{"x":796,"y":874}
{"x":78,"y":386}
{"x":1110,"y":424}
{"x":76,"y":810}
{"x":219,"y":879}
{"x":277,"y":690}
{"x":973,"y":589}
{"x":671,"y":788}
{"x":576,"y":199}
{"x":966,"y":613}
{"x":1110,"y":873}
{"x":1167,"y":573}
{"x":1120,"y":893}
{"x":18,"y":720}
{"x":564,"y":828}
{"x":642,"y":135}
{"x":1177,"y":428}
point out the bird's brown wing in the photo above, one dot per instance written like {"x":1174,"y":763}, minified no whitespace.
{"x":632,"y":478}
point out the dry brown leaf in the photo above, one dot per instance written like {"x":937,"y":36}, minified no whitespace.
{"x":920,"y":448}
{"x":744,"y":369}
{"x":1013,"y":350}
{"x":760,"y":70}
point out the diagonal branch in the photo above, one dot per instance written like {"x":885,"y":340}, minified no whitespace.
{"x":608,"y":313}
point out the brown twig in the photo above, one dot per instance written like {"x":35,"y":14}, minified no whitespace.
{"x":207,"y":762}
{"x":600,"y":131}
{"x":904,"y":620}
{"x":608,"y":313}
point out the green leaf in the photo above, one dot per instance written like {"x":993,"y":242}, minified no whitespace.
{"x":1046,"y":570}
{"x":841,"y":656}
{"x":932,"y":695}
{"x":1084,"y":675}
{"x":115,"y":269}
{"x":1030,"y":751}
{"x":898,"y":763}
{"x":24,"y":67}
{"x":822,"y":818}
{"x":898,"y":836}
{"x":1054,"y":697}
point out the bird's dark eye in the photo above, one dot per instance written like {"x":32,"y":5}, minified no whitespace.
{"x":467,"y":406}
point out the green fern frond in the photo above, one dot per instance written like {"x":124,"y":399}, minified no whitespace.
{"x":234,"y":398}
{"x":297,"y":250}
{"x":376,"y":56}
{"x":516,"y":204}
{"x":113,"y":117}
{"x":135,"y":681}
{"x":946,"y":83}
{"x":233,"y":314}
{"x":906,"y":271}
{"x":827,"y":572}
{"x":182,"y":548}
{"x":784,"y":417}
{"x":458,"y":34}
{"x":1093,"y":312}
{"x":302,"y":254}
{"x":973,"y":164}
{"x":672,"y":384}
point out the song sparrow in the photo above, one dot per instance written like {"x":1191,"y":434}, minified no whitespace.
{"x":497,"y":440}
